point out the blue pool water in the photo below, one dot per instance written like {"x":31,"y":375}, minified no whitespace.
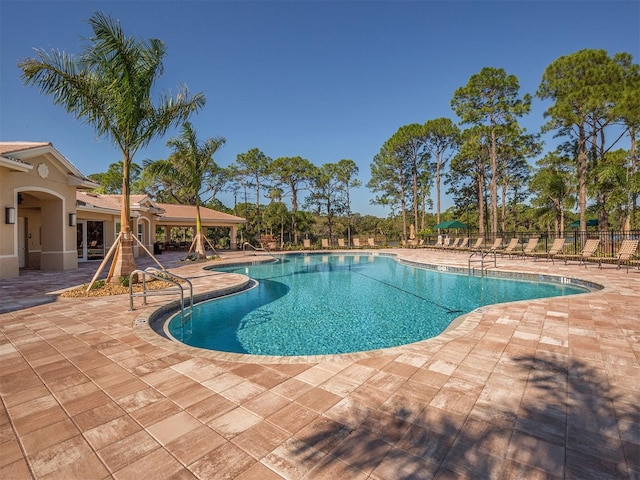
{"x":325,"y":304}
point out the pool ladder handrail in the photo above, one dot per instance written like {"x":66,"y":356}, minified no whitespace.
{"x":483,"y":254}
{"x":164,"y":276}
{"x":262,"y":248}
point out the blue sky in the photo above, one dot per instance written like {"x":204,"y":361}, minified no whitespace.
{"x":325,"y":80}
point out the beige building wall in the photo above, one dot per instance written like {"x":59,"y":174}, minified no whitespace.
{"x":41,"y":237}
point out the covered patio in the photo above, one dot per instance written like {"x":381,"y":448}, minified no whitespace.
{"x":183,"y":219}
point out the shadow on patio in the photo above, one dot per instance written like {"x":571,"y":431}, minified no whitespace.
{"x":569,"y":425}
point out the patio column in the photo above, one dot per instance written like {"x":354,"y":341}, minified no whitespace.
{"x":232,"y":236}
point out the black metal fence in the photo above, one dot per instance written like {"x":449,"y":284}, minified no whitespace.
{"x":610,"y":240}
{"x":574,"y":241}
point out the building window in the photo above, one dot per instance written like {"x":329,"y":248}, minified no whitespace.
{"x":95,"y":240}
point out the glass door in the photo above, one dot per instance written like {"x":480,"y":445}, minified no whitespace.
{"x":95,"y":240}
{"x":90,"y":240}
{"x":80,"y":241}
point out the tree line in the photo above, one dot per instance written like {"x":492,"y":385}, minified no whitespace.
{"x":483,"y":161}
{"x":595,"y":111}
{"x":317,"y":195}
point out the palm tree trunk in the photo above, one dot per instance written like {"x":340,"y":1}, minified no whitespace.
{"x":123,"y":263}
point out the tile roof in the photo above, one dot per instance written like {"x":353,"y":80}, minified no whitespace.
{"x":10,"y":147}
{"x":171,"y":211}
{"x":99,"y":201}
{"x":19,"y":151}
{"x":114,"y":201}
{"x":189,"y":211}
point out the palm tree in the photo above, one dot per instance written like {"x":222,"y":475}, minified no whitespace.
{"x":187,"y":170}
{"x":109,"y":87}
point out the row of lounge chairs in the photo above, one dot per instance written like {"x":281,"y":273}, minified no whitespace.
{"x":589,"y":253}
{"x":624,"y":256}
{"x":306,"y":243}
{"x":462,"y":244}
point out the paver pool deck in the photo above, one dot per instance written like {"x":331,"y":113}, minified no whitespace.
{"x":542,"y":389}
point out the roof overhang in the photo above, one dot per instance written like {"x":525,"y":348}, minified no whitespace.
{"x":74,"y":181}
{"x":205,"y":221}
{"x":75,"y":176}
{"x":15,"y":165}
{"x":146,"y":204}
{"x":90,"y":208}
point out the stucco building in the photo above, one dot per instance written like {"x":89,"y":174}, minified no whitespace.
{"x":52,"y":221}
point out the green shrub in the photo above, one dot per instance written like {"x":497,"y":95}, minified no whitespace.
{"x":98,"y":284}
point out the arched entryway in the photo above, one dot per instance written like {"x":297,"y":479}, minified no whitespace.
{"x":44,"y":232}
{"x":143,"y":233}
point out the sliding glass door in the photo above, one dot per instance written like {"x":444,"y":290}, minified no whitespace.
{"x":90,"y":240}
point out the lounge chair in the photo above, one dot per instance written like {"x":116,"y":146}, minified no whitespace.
{"x":510,"y":248}
{"x":356,"y":242}
{"x":325,"y":243}
{"x":371,"y":241}
{"x":341,"y":243}
{"x":588,"y":251}
{"x":497,"y":243}
{"x":530,"y":247}
{"x":453,"y":245}
{"x":556,"y":248}
{"x":478,"y":245}
{"x":464,"y":243}
{"x":306,"y":243}
{"x":625,"y":254}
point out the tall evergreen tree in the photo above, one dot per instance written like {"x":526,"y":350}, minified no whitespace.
{"x":327,"y":193}
{"x":442,"y":138}
{"x":294,"y":173}
{"x":553,"y":187}
{"x":491,"y":98}
{"x":470,"y":164}
{"x":584,"y":87}
{"x":253,"y":167}
{"x":389,"y":178}
{"x":346,"y":172}
{"x":408,"y":143}
{"x":627,"y":109}
{"x":514,"y":168}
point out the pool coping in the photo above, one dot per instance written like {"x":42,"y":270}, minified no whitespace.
{"x":144,"y":323}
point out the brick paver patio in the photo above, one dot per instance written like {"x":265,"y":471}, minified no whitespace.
{"x":538,"y":389}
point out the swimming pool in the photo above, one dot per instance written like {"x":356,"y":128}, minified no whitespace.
{"x":316,"y":304}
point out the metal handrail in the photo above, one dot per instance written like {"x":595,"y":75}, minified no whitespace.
{"x":161,"y":275}
{"x":483,"y":254}
{"x":257,"y":249}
